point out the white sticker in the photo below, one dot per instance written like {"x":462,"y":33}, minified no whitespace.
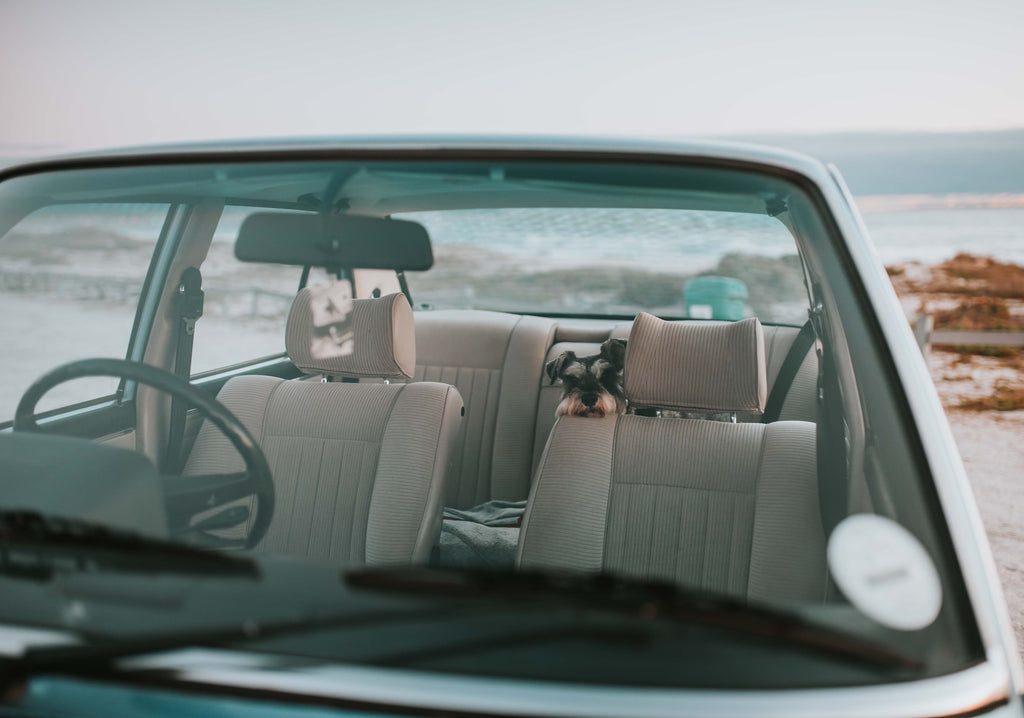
{"x":885,"y":572}
{"x":700,"y":311}
{"x":332,"y":334}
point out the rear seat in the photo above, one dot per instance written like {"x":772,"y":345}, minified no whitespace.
{"x":496,"y":361}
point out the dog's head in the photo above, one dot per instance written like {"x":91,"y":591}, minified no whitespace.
{"x":592,"y":385}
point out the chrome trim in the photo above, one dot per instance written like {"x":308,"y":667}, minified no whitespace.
{"x":965,"y":692}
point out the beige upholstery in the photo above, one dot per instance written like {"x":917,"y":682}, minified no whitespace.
{"x":495,"y":360}
{"x":384,"y":344}
{"x":696,"y":366}
{"x":585,"y":339}
{"x":725,"y":507}
{"x":358,"y":469}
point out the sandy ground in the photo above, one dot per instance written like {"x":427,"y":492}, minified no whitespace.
{"x":992,"y":446}
{"x":993,"y":455}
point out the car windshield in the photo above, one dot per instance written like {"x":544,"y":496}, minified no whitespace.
{"x":573,"y":419}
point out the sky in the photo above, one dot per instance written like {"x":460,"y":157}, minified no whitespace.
{"x":83,"y":75}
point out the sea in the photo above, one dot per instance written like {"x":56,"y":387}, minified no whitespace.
{"x":936,"y":234}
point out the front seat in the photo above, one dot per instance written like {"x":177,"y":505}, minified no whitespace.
{"x":711,"y":505}
{"x":358,"y":468}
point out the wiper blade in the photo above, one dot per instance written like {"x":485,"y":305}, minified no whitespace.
{"x":99,"y":654}
{"x":36,"y":546}
{"x":644,"y":600}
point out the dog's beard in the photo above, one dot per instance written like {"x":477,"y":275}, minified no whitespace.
{"x":572,"y":406}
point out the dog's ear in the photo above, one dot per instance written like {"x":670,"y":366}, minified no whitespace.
{"x":555,"y":367}
{"x":614,"y":350}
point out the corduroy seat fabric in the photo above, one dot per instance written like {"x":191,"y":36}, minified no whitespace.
{"x":717,"y":506}
{"x":496,"y":361}
{"x":358,"y":468}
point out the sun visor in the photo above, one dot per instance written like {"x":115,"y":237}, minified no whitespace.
{"x":334,"y":241}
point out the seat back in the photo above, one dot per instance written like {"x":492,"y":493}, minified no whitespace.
{"x":799,"y":404}
{"x":358,"y":468}
{"x":717,"y":506}
{"x":495,"y":360}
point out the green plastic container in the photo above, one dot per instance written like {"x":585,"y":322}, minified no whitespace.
{"x":715,"y":298}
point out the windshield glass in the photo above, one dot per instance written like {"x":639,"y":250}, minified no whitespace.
{"x":556,"y":420}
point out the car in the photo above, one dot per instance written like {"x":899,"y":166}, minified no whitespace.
{"x":474,"y":426}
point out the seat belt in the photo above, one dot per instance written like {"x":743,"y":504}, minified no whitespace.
{"x":189,"y":308}
{"x":787,"y":373}
{"x":833,"y":482}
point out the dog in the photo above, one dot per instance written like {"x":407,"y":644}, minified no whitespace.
{"x":592,"y":385}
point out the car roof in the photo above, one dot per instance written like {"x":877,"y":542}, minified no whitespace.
{"x":527,"y":145}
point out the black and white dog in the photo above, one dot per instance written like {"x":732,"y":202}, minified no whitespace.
{"x":591,"y":385}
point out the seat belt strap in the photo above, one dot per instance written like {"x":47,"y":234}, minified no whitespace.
{"x":833,"y":481}
{"x":787,"y":373}
{"x":188,"y":308}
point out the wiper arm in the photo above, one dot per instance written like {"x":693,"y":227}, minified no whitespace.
{"x":36,"y":546}
{"x":644,"y":600}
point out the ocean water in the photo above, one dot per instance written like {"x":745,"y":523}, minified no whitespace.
{"x":934,"y":235}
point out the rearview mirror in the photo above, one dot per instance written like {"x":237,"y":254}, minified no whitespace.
{"x":334,"y":241}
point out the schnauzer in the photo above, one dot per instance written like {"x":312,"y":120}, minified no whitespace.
{"x":592,"y":385}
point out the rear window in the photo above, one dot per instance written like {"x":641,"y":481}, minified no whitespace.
{"x":612,"y":262}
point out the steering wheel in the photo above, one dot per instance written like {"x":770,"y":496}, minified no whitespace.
{"x":184,"y":496}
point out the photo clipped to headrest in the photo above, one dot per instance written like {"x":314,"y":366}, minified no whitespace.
{"x":332,"y":334}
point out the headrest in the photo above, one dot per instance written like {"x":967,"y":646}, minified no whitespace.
{"x":696,"y":366}
{"x":383,"y":339}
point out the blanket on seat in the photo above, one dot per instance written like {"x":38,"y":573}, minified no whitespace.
{"x":484,"y":536}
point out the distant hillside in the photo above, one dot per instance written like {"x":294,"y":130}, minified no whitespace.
{"x":914,"y":162}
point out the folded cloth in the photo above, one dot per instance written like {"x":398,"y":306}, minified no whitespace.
{"x":491,"y":513}
{"x":484,"y":536}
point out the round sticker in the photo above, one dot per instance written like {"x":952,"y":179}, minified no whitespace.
{"x":885,"y":572}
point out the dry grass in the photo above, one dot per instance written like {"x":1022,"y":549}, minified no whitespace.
{"x":966,"y":351}
{"x":964,"y":274}
{"x":979,"y":314}
{"x":978,"y":276}
{"x":1005,"y":396}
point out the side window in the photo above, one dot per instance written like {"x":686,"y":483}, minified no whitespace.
{"x":70,"y":278}
{"x":246,"y":304}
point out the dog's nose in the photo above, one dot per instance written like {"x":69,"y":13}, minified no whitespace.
{"x":589,"y":399}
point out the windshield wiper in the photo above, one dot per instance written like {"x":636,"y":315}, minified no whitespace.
{"x":36,"y":546}
{"x":99,"y":654}
{"x":639,"y":600}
